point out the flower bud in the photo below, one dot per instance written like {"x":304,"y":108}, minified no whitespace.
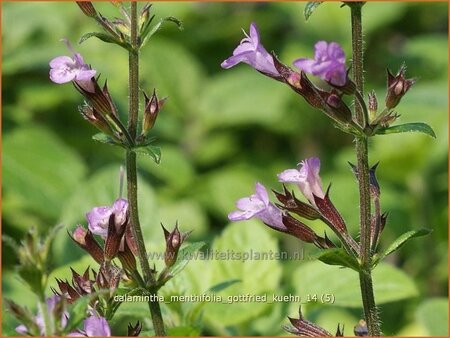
{"x":127,"y":258}
{"x":292,"y":204}
{"x":122,"y":27}
{"x":373,"y":105}
{"x":91,"y":115}
{"x":303,"y":327}
{"x":116,"y":231}
{"x":152,"y":108}
{"x":174,"y":240}
{"x":87,"y":8}
{"x":341,"y":111}
{"x":397,"y":86}
{"x":87,"y":242}
{"x":134,"y":331}
{"x":144,"y":17}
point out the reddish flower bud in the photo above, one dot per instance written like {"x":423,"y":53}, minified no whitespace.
{"x":292,"y":204}
{"x":304,"y":233}
{"x":332,"y":217}
{"x":303,"y":327}
{"x":87,"y":242}
{"x":152,"y":108}
{"x":341,"y":111}
{"x":97,"y":120}
{"x":397,"y":86}
{"x":87,"y":8}
{"x":116,"y":231}
{"x":134,"y":331}
{"x":174,"y":240}
{"x":127,"y":258}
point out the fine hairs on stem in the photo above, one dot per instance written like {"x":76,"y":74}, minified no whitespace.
{"x":132,"y":186}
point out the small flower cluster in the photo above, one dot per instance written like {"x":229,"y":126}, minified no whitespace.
{"x":305,"y":328}
{"x":99,"y":108}
{"x":280,"y":216}
{"x":329,"y":65}
{"x":93,"y":326}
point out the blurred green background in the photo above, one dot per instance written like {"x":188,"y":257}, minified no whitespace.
{"x":220,"y":132}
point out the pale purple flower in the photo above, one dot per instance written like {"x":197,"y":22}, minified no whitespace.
{"x":64,"y":69}
{"x":307,"y":177}
{"x":98,"y":217}
{"x":39,"y":319}
{"x":93,"y":327}
{"x":252,"y":52}
{"x":259,"y":206}
{"x":328,"y":63}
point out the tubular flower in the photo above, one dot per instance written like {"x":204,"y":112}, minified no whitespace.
{"x":328,"y":63}
{"x":307,"y":177}
{"x":64,"y":69}
{"x":258,"y":205}
{"x":252,"y":52}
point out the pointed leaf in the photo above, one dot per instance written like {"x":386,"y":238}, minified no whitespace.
{"x":339,"y":257}
{"x":310,"y":8}
{"x":402,"y":240}
{"x":149,"y":150}
{"x":184,"y":256}
{"x":407,"y":128}
{"x":105,"y":38}
{"x":146,"y":35}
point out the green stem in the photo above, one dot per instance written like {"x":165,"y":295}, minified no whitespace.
{"x":154,"y":306}
{"x":365,"y":276}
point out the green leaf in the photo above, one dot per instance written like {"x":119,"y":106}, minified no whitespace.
{"x":258,"y":275}
{"x":407,"y":128}
{"x":313,"y":278}
{"x":310,"y":7}
{"x":39,"y":170}
{"x":186,"y":254}
{"x":149,"y":150}
{"x":103,"y":138}
{"x":433,"y":315}
{"x":400,"y":241}
{"x":339,"y":257}
{"x":105,"y":38}
{"x":147,"y":33}
{"x":77,"y":313}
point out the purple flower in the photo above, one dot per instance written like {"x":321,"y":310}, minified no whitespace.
{"x":98,"y":217}
{"x":93,"y":327}
{"x":64,"y":69}
{"x":39,"y":319}
{"x":252,"y":52}
{"x":258,"y":205}
{"x":307,"y":177}
{"x":328,"y":63}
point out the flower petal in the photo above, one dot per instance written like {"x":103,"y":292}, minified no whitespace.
{"x":291,"y":175}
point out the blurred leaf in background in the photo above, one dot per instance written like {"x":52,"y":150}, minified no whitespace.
{"x":220,"y":132}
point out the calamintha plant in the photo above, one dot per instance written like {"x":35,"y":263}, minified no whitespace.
{"x":114,"y":232}
{"x":363,"y":122}
{"x":86,"y":304}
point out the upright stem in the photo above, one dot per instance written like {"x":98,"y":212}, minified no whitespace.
{"x":133,"y":58}
{"x":365,"y":276}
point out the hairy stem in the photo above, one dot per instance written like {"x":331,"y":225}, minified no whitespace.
{"x":154,"y":306}
{"x":365,"y":276}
